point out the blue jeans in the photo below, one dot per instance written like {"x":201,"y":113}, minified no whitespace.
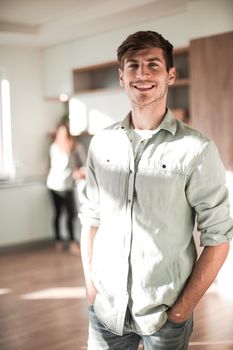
{"x":172,"y":336}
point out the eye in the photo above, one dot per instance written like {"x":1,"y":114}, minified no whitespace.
{"x":133,"y":65}
{"x":153,"y":65}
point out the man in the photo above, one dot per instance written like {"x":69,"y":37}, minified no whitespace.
{"x":148,"y":179}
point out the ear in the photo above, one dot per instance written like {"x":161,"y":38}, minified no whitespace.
{"x":172,"y":76}
{"x":121,"y":81}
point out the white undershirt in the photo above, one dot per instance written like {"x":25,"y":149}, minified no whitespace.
{"x":138,"y":135}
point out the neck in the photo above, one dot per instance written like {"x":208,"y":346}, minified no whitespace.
{"x":147,"y":117}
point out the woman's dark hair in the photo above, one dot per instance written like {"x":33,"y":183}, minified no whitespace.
{"x":144,"y":40}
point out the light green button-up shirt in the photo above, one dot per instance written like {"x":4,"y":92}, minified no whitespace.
{"x":145,"y":206}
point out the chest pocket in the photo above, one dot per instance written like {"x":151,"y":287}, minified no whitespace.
{"x":160,"y":183}
{"x":162,"y":166}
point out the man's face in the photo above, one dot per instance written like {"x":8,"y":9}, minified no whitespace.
{"x":145,"y":78}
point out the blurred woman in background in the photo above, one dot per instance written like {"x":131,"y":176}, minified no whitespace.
{"x":65,"y":168}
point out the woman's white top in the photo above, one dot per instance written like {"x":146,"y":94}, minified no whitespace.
{"x":61,"y":169}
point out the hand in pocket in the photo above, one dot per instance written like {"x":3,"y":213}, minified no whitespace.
{"x":91,"y":292}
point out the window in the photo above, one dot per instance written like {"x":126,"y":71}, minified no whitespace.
{"x":6,"y":161}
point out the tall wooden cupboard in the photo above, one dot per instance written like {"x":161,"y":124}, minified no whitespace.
{"x":211,"y":91}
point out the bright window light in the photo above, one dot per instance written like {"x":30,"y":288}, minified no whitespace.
{"x":220,"y":343}
{"x":4,"y":291}
{"x":57,"y":293}
{"x":6,"y":139}
{"x":77,"y":116}
{"x":98,"y":121}
{"x":224,"y":282}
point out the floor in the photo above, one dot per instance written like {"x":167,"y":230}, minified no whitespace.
{"x":43,"y":307}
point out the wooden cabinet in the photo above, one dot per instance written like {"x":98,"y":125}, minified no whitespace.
{"x":98,"y":77}
{"x":211,"y":72}
{"x":178,"y":94}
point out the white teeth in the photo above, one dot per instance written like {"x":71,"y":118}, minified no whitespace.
{"x":144,"y":86}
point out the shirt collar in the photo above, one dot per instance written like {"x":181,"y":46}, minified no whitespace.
{"x":168,"y":123}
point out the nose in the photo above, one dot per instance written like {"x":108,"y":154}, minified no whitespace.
{"x":142,"y":72}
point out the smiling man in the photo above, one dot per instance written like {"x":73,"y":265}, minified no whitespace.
{"x":146,"y":77}
{"x":148,"y":178}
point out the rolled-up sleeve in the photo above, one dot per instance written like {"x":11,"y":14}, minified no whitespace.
{"x":207,"y":193}
{"x":89,"y":211}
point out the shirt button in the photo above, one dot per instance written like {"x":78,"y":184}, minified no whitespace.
{"x":129,"y":200}
{"x":130,"y":171}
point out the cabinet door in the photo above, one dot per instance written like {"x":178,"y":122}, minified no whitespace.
{"x":211,"y":70}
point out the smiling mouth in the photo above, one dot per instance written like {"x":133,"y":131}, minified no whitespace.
{"x":143,"y":86}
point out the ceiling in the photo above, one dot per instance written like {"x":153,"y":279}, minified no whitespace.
{"x":43,"y":23}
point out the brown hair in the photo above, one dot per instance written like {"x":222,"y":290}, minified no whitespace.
{"x":143,"y":40}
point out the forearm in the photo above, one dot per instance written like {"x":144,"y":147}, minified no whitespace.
{"x":87,"y":238}
{"x":204,"y":273}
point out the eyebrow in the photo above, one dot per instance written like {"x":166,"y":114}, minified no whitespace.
{"x":152,"y":59}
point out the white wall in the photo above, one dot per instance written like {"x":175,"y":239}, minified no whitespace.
{"x":201,"y":18}
{"x":24,"y":213}
{"x":24,"y":209}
